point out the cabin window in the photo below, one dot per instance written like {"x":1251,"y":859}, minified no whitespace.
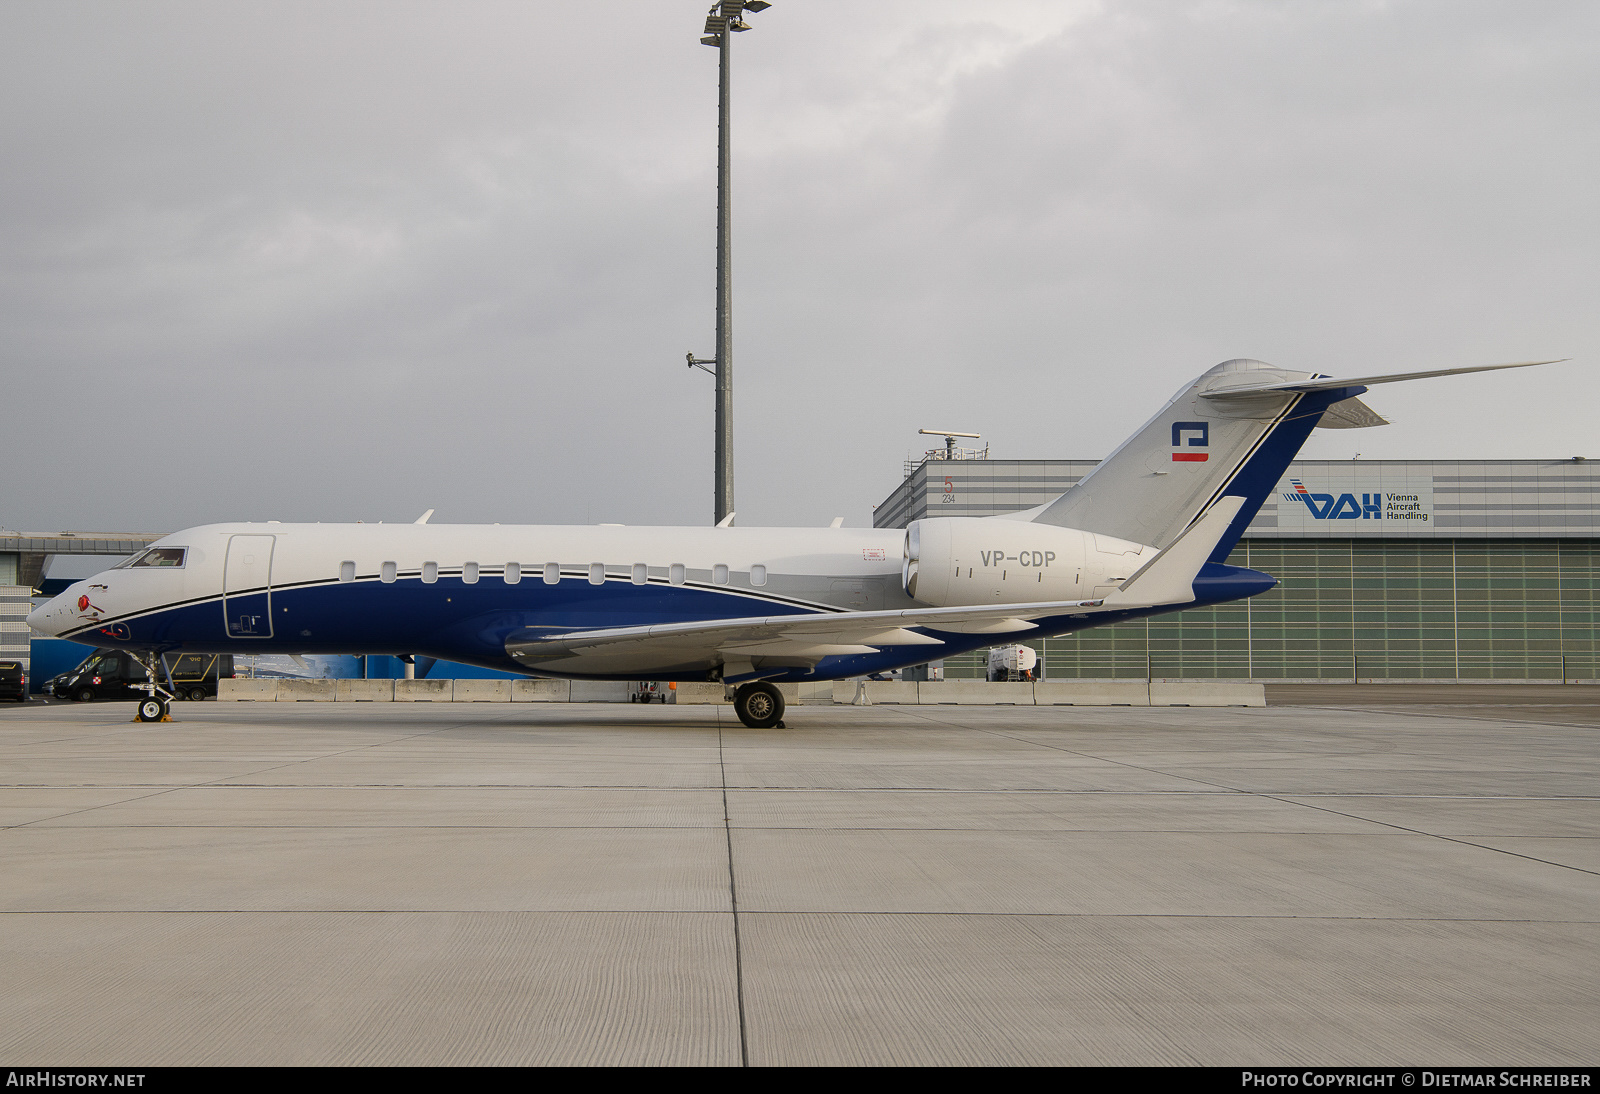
{"x":430,"y":572}
{"x":388,"y":573}
{"x":676,"y":574}
{"x":347,"y":570}
{"x":641,"y":573}
{"x":469,"y":573}
{"x":758,"y":574}
{"x":552,"y":572}
{"x":719,"y":573}
{"x":597,"y":573}
{"x":513,"y":573}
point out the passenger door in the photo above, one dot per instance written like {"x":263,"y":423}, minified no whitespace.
{"x":247,"y":587}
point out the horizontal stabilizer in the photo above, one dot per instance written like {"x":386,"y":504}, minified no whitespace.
{"x":1169,"y":577}
{"x":1326,"y":383}
{"x":1350,"y":414}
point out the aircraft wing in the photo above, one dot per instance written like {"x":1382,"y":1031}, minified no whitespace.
{"x":783,"y":642}
{"x":1327,"y":383}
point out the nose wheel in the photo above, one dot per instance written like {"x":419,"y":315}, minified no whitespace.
{"x":156,"y":706}
{"x":759,"y":705}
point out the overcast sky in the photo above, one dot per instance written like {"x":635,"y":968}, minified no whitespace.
{"x":339,"y":261}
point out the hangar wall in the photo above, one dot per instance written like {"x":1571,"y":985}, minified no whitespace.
{"x":1410,"y":570}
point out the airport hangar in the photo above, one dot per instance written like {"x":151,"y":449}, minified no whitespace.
{"x":1389,"y":570}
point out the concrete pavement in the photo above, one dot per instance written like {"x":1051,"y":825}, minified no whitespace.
{"x":1378,"y":883}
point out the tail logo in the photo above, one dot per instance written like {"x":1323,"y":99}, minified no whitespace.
{"x":1187,"y":435}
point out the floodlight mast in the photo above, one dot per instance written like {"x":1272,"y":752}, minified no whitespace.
{"x":723,"y":19}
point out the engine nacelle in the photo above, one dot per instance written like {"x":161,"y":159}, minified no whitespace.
{"x":955,"y":561}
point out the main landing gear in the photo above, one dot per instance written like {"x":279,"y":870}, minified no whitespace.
{"x":156,"y":706}
{"x":759,"y":705}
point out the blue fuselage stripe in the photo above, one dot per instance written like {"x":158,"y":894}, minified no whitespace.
{"x":469,"y":623}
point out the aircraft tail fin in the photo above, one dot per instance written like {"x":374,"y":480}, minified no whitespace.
{"x":1201,"y":445}
{"x":1231,"y":432}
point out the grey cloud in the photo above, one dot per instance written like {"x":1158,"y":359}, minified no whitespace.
{"x":350,"y":260}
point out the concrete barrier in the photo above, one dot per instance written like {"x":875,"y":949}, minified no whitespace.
{"x":1088,"y":693}
{"x":1091,"y":693}
{"x":247,"y":691}
{"x":306,"y":691}
{"x":976,"y":693}
{"x":482,"y":691}
{"x":600,"y":691}
{"x":701,"y":692}
{"x":698,"y":692}
{"x":541,"y":691}
{"x":1218,"y":693}
{"x":364,"y":691}
{"x":889,"y":692}
{"x":423,"y":691}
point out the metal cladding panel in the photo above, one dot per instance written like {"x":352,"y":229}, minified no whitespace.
{"x":1315,"y":499}
{"x":15,"y":633}
{"x":118,"y":544}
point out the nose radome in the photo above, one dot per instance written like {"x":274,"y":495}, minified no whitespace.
{"x":39,"y":618}
{"x":52,"y":617}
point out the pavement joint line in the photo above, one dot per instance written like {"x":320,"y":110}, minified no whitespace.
{"x":1217,"y":787}
{"x":629,"y":788}
{"x":215,"y":782}
{"x":733,"y":902}
{"x":635,"y":788}
{"x":1202,"y":916}
{"x":1309,"y":805}
{"x":1399,"y":710}
{"x":767,"y":828}
{"x":1440,"y":836}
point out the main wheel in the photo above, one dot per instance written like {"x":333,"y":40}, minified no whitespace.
{"x":152,"y":709}
{"x":759,"y":706}
{"x":85,"y":695}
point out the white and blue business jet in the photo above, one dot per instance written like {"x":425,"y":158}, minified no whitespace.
{"x":1147,"y":532}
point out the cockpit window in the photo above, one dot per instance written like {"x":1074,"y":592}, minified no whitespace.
{"x":160,"y":556}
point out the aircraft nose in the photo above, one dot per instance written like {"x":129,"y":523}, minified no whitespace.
{"x":51,"y":617}
{"x":39,"y":619}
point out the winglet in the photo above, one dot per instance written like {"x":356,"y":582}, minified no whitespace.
{"x":727,"y":521}
{"x":1169,"y":577}
{"x":423,"y":519}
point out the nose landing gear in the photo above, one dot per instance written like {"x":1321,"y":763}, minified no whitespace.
{"x":157,"y":705}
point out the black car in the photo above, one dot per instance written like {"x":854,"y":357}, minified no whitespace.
{"x":13,"y":681}
{"x":114,"y":674}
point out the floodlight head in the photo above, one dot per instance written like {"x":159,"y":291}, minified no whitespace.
{"x":756,"y":5}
